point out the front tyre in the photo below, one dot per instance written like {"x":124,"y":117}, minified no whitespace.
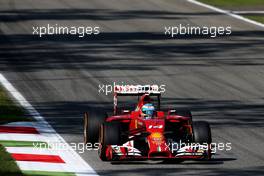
{"x":202,"y":132}
{"x":110,"y":134}
{"x":202,"y":135}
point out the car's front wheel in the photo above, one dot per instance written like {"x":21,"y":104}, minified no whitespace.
{"x":202,"y":135}
{"x":110,"y":134}
{"x":202,"y":132}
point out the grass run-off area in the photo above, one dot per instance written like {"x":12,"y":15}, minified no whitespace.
{"x":9,"y":112}
{"x":249,"y":5}
{"x":234,"y":3}
{"x":7,"y":164}
{"x":258,"y":18}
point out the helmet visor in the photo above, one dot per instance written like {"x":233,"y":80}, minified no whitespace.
{"x":148,"y":109}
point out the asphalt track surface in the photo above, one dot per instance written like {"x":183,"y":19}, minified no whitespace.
{"x":221,"y":80}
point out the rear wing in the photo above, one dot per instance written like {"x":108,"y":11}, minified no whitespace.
{"x":135,"y":90}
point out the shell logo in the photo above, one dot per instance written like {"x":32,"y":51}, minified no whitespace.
{"x":156,"y":137}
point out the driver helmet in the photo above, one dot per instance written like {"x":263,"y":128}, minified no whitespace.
{"x":148,"y":110}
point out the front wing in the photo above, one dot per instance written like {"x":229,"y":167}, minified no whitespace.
{"x":128,"y":151}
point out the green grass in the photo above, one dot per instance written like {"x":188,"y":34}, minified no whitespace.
{"x":9,"y":111}
{"x":36,"y":144}
{"x":256,"y":18}
{"x":236,"y":4}
{"x":7,"y":164}
{"x":233,"y":3}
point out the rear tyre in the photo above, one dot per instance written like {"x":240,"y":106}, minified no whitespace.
{"x":92,"y":124}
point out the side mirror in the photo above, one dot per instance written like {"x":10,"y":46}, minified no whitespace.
{"x":125,"y":111}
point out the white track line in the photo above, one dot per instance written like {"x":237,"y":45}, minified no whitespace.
{"x":22,"y":137}
{"x":71,"y":157}
{"x":31,"y":150}
{"x":53,"y":167}
{"x":226,"y":12}
{"x":42,"y":166}
{"x":44,"y":151}
{"x":248,"y":12}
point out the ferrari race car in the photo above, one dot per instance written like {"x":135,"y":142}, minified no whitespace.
{"x":147,"y":132}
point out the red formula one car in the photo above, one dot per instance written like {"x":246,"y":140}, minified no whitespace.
{"x":146,"y":132}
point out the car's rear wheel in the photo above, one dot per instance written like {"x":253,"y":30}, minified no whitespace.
{"x":92,"y":122}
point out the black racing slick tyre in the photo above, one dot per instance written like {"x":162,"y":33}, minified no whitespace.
{"x":110,"y":134}
{"x":202,"y":132}
{"x":92,"y":123}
